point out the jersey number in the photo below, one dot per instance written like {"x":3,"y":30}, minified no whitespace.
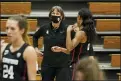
{"x":8,"y":72}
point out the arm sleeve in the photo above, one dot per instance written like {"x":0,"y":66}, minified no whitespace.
{"x":37,"y":35}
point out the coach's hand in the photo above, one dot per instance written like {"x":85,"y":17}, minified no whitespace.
{"x":56,"y":49}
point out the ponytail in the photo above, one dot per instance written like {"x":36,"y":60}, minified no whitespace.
{"x":89,"y":28}
{"x":25,"y":36}
{"x":26,"y":28}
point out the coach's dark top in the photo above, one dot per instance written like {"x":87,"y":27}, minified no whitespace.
{"x":13,"y":65}
{"x":52,"y":37}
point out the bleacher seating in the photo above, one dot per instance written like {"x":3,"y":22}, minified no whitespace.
{"x":104,"y":8}
{"x":115,"y":60}
{"x":15,"y":7}
{"x":108,"y":25}
{"x":112,"y":42}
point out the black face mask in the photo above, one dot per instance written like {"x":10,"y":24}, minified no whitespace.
{"x":55,"y":19}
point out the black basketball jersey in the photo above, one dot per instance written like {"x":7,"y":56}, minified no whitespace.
{"x":79,"y":51}
{"x":14,"y":67}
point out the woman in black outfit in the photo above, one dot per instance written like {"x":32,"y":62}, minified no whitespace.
{"x":55,"y":65}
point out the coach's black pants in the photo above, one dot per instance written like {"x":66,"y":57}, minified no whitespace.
{"x":57,"y":73}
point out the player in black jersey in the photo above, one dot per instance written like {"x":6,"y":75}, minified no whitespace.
{"x":18,"y":57}
{"x":84,"y":36}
